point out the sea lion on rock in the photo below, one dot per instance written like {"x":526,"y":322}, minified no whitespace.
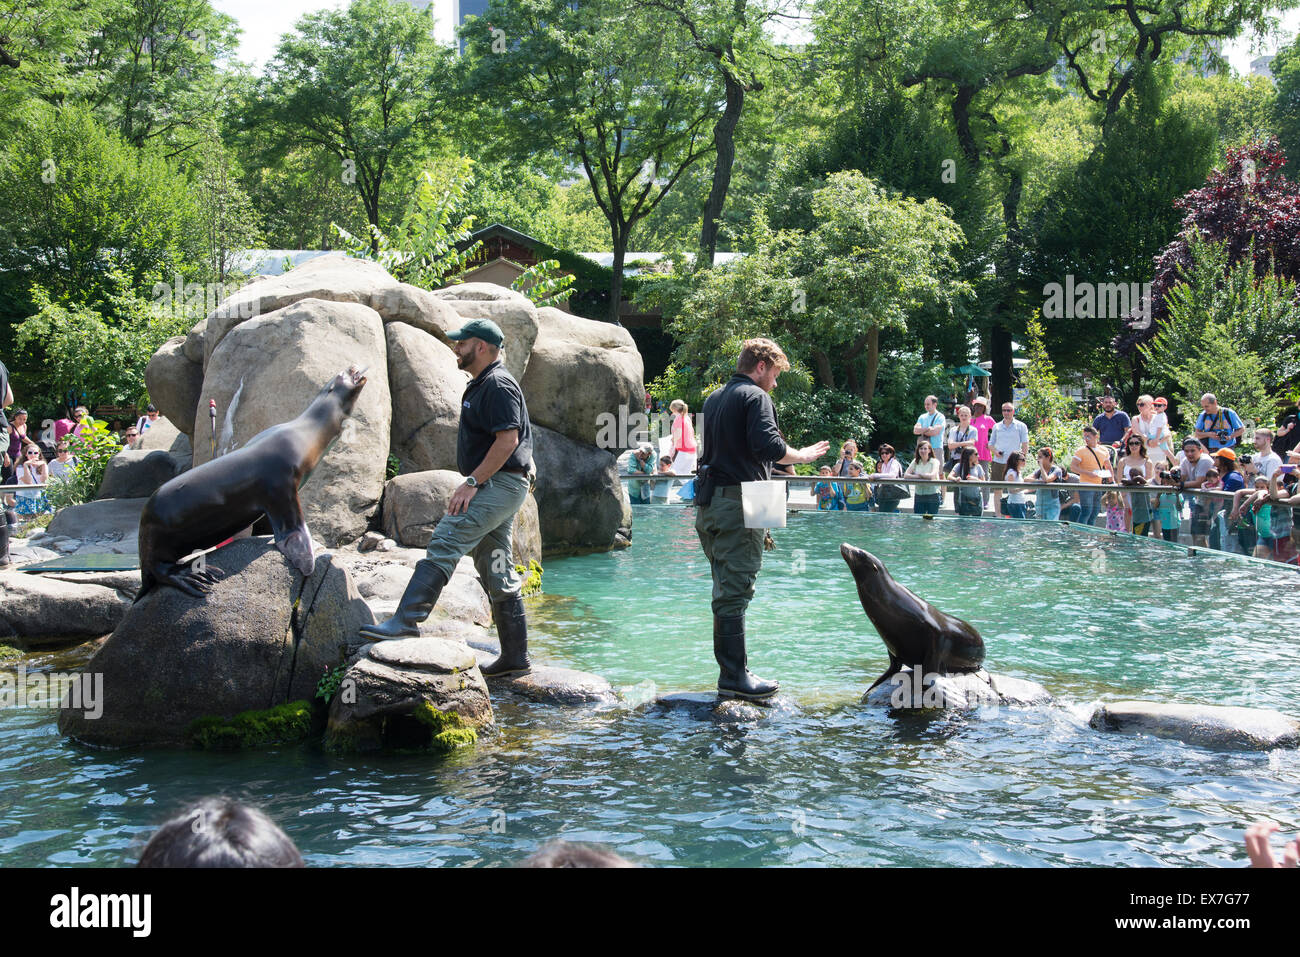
{"x":914,"y":631}
{"x":209,"y":504}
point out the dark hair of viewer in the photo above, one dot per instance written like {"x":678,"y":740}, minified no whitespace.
{"x":564,"y":854}
{"x":220,"y":832}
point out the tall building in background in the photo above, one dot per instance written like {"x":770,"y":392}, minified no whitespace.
{"x":448,"y":15}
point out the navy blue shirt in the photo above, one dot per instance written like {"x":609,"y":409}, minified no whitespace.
{"x":492,"y":403}
{"x":1110,"y":431}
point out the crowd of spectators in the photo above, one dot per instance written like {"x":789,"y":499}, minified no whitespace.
{"x":1143,"y":475}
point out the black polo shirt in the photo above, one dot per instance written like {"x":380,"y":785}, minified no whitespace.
{"x":492,"y":403}
{"x":738,"y":434}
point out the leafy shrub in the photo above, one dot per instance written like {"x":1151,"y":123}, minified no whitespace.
{"x":93,"y":449}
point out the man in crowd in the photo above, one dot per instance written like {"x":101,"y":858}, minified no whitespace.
{"x":1266,"y":460}
{"x":1194,"y":464}
{"x":494,"y":450}
{"x":741,"y":443}
{"x":1009,"y":435}
{"x":1092,"y":464}
{"x":1112,"y":424}
{"x":1218,"y":427}
{"x":931,"y":424}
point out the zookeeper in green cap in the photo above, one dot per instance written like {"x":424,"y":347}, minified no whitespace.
{"x":494,"y":451}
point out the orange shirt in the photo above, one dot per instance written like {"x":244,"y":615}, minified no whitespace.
{"x":1092,"y":460}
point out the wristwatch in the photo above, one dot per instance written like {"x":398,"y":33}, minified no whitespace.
{"x":471,"y":481}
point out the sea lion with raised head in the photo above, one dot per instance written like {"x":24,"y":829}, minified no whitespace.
{"x":211,"y":503}
{"x":914,"y":631}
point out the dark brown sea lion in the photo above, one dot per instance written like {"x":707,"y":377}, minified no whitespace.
{"x":914,"y":631}
{"x":207,"y":505}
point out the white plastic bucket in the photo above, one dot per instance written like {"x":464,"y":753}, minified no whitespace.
{"x":763,"y":504}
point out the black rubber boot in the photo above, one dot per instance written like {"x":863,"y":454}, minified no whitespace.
{"x":421,"y":595}
{"x":4,"y":546}
{"x":512,"y":629}
{"x":736,"y":680}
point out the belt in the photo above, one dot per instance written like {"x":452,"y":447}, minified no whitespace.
{"x":727,"y":491}
{"x":514,"y":471}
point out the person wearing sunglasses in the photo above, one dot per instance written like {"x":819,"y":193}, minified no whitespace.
{"x":1136,"y":470}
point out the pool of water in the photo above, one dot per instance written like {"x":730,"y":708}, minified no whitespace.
{"x":825,"y":781}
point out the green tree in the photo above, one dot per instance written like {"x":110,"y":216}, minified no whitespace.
{"x":870,"y":260}
{"x":1222,"y":312}
{"x":424,"y":249}
{"x":605,"y":88}
{"x":369,"y":86}
{"x":78,"y":201}
{"x":152,"y":70}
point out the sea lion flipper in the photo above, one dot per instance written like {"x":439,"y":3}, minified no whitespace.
{"x":894,"y":666}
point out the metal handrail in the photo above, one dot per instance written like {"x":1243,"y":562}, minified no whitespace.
{"x":949,"y":482}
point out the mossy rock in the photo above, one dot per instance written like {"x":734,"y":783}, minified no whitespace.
{"x":282,"y":724}
{"x":426,"y":729}
{"x":9,"y":652}
{"x":532,"y":573}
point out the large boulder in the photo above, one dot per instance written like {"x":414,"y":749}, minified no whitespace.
{"x":164,"y":435}
{"x":462,"y":607}
{"x":37,"y":612}
{"x":422,"y":693}
{"x":262,"y":637}
{"x":414,"y":504}
{"x":512,"y":311}
{"x":580,"y":503}
{"x":268,"y":370}
{"x":333,"y":277}
{"x":427,"y":388}
{"x":581,"y":372}
{"x":1210,"y":726}
{"x":137,"y":473}
{"x":175,"y":383}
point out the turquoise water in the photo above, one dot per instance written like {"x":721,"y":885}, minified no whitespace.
{"x":824,"y":781}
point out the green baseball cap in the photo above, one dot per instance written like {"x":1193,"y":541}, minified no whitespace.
{"x":484,"y":329}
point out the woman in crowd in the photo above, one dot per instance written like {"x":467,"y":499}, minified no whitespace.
{"x":1135,"y":470}
{"x":1016,"y":501}
{"x":968,"y":497}
{"x":1047,"y":502}
{"x":63,"y":462}
{"x":926,"y":498}
{"x":848,"y":455}
{"x":963,"y":435}
{"x":887,"y":497}
{"x":684,"y":447}
{"x":1152,"y":427}
{"x":983,"y":423}
{"x":32,"y":470}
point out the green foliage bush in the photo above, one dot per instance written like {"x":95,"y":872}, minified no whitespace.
{"x":824,"y":414}
{"x":93,"y":448}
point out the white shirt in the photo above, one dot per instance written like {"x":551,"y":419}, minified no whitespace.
{"x":1266,"y":465}
{"x":1005,"y":439}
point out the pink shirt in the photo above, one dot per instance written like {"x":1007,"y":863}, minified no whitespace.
{"x":683,"y":434}
{"x":983,"y":426}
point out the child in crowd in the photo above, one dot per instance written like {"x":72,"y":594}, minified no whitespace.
{"x":1115,"y":512}
{"x":1169,"y":508}
{"x":827,"y":492}
{"x":1212,"y":480}
{"x":1016,"y":501}
{"x":856,"y":495}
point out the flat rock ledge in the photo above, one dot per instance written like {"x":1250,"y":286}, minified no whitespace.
{"x":707,"y":706}
{"x":416,"y":694}
{"x":563,"y":686}
{"x":1210,"y":726}
{"x":956,"y":692}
